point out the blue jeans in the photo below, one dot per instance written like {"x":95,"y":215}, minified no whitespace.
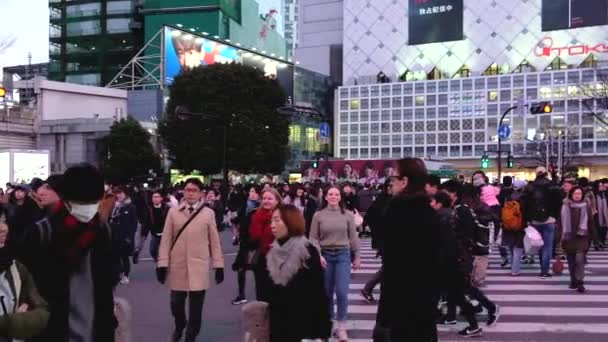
{"x":547,"y":231}
{"x":516,"y":254}
{"x":337,"y":280}
{"x":154,"y":246}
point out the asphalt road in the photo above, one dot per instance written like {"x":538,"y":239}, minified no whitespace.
{"x":152,"y":320}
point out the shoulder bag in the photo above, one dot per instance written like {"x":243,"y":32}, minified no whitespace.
{"x":185,"y":226}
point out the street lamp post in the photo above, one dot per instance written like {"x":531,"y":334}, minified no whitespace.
{"x":499,"y":152}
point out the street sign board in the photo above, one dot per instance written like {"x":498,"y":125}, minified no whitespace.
{"x":504,"y":131}
{"x":324,"y":130}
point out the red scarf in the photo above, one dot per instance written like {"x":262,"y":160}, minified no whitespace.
{"x":260,"y":229}
{"x":74,"y":238}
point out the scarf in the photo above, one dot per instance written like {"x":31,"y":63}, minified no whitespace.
{"x":260,"y":227}
{"x":602,"y":209}
{"x":119,"y":205}
{"x":285,"y":260}
{"x":74,"y":238}
{"x":574,"y":218}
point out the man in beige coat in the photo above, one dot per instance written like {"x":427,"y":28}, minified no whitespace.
{"x":184,"y":261}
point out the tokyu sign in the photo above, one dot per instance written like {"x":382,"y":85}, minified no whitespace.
{"x":546,"y":48}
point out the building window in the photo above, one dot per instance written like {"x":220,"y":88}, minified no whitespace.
{"x":84,"y":10}
{"x":83,"y":28}
{"x":120,"y":25}
{"x":420,"y":100}
{"x":492,"y":96}
{"x":119,"y":7}
{"x":295,"y":134}
{"x":86,"y":79}
{"x":354,"y":104}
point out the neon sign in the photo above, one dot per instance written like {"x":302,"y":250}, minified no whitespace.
{"x":545,"y":48}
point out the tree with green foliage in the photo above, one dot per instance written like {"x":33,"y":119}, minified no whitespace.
{"x":126,"y":153}
{"x":237,"y":97}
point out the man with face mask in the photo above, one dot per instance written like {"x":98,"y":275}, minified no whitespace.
{"x":69,"y":255}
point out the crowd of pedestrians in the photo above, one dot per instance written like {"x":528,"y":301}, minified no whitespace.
{"x":67,"y":242}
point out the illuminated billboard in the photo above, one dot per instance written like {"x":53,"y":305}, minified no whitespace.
{"x":433,"y":21}
{"x":567,"y":14}
{"x":185,"y":50}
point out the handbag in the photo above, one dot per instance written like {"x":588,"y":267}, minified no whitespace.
{"x":558,"y":266}
{"x":533,"y":241}
{"x":179,"y":233}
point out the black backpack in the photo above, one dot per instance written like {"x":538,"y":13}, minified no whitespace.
{"x":539,"y":204}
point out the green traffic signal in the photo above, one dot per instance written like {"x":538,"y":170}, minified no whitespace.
{"x":485,"y":162}
{"x":510,"y":162}
{"x":315,"y":164}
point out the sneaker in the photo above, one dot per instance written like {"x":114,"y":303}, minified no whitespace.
{"x":124,"y":280}
{"x":573,"y":286}
{"x":545,"y":275}
{"x":477,"y":309}
{"x":493,"y":317}
{"x":448,"y":322}
{"x":470,"y":332}
{"x":369,"y":297}
{"x":504,"y":263}
{"x":515,"y":274}
{"x":235,"y":241}
{"x":239,"y":300}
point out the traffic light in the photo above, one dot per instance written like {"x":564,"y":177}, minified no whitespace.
{"x":2,"y":92}
{"x":541,"y":108}
{"x":485,"y":162}
{"x":510,"y":161}
{"x":315,"y":164}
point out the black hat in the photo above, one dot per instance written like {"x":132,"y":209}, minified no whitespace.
{"x":55,"y":182}
{"x":36,"y":183}
{"x":83,"y":184}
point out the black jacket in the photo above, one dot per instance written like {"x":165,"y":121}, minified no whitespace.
{"x":374,"y":219}
{"x":412,"y":233}
{"x":150,"y":224}
{"x":542,"y":193}
{"x":124,"y":222}
{"x":245,"y":243}
{"x":43,"y":256}
{"x":299,"y":309}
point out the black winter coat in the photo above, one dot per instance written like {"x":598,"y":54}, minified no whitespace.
{"x":124,"y":225}
{"x":42,"y":254}
{"x":412,"y":233}
{"x":299,"y":309}
{"x":245,"y":243}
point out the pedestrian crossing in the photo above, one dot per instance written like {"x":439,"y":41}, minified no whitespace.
{"x":532,"y":309}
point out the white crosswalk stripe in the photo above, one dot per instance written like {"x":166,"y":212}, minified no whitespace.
{"x":532,"y":309}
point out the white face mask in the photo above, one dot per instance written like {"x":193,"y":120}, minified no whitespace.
{"x":84,"y":212}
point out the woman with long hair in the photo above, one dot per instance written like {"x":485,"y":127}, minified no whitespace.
{"x":298,"y":294}
{"x":246,"y":245}
{"x":261,"y":234}
{"x":333,"y":231}
{"x":576,"y":224}
{"x":411,"y":233}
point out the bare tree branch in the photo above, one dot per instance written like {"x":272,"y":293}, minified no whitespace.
{"x":6,"y":43}
{"x":596,"y":97}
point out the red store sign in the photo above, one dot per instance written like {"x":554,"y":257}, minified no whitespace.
{"x":545,"y":48}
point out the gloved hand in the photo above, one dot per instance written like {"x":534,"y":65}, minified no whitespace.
{"x":219,"y":275}
{"x":161,"y":274}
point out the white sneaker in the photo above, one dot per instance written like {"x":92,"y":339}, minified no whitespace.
{"x":124,"y":280}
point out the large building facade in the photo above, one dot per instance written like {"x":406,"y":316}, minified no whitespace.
{"x":456,"y":66}
{"x":91,"y":40}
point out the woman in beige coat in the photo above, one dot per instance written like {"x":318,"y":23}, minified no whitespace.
{"x":184,"y":261}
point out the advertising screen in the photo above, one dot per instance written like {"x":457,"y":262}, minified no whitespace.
{"x":434,"y":21}
{"x":370,"y":172}
{"x":567,"y":14}
{"x":29,"y":165}
{"x":5,"y":171}
{"x":185,"y":50}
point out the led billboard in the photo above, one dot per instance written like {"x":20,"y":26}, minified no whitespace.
{"x":434,"y":21}
{"x":185,"y":50}
{"x":568,"y":14}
